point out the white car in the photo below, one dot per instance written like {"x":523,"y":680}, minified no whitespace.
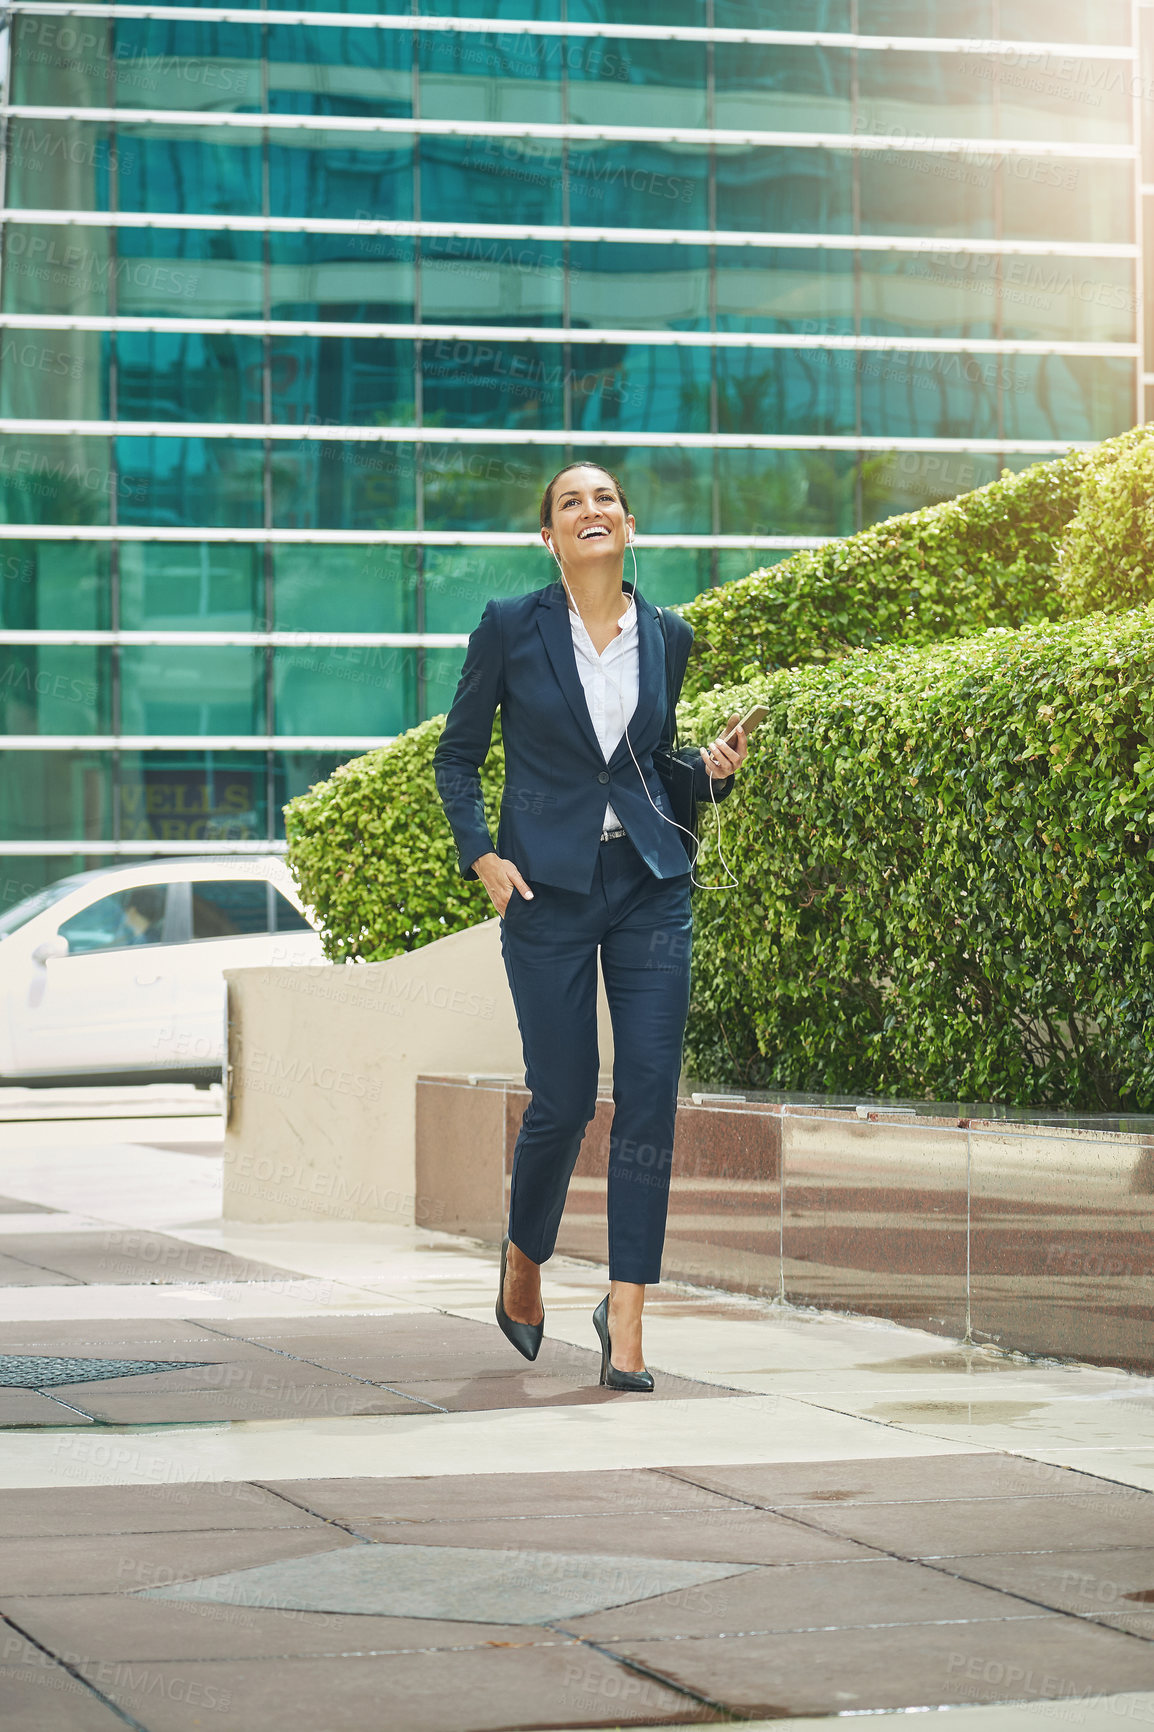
{"x":118,"y":973}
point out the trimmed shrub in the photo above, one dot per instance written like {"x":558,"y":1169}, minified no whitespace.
{"x":984,"y":559}
{"x":945,"y":878}
{"x":374,"y":858}
{"x":1106,"y":560}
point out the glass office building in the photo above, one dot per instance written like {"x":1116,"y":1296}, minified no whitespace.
{"x":298,"y":311}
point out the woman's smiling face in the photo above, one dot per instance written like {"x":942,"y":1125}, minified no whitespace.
{"x":589,"y":520}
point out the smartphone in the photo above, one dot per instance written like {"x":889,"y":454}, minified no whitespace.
{"x":752,"y":719}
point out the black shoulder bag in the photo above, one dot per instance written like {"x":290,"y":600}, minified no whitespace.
{"x":676,"y":769}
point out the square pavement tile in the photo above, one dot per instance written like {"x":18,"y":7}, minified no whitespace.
{"x":22,"y":1407}
{"x":1112,"y":1587}
{"x":89,"y":1627}
{"x":457,"y":1497}
{"x":721,"y":1536}
{"x":123,"y":1563}
{"x":477,"y":1690}
{"x":925,"y":1478}
{"x":796,"y":1597}
{"x":284,"y":1401}
{"x":514,"y":1585}
{"x":908,"y":1666}
{"x":49,"y":1699}
{"x":123,"y":1256}
{"x":1076,"y":1521}
{"x":121,"y":1509}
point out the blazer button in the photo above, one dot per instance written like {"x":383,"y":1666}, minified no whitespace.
{"x":604,"y":776}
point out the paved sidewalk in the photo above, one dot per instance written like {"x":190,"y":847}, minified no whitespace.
{"x":270,"y":1477}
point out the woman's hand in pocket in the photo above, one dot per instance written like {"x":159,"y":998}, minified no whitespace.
{"x":501,"y":878}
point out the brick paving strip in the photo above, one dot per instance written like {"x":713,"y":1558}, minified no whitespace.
{"x":677,"y":1592}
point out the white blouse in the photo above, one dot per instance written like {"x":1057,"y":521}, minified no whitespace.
{"x":610,"y":684}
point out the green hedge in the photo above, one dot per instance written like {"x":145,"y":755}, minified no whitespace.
{"x":984,"y":559}
{"x":1106,"y":559}
{"x":373,"y":856}
{"x":946,"y":886}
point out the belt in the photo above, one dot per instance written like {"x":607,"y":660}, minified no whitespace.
{"x":617,"y":835}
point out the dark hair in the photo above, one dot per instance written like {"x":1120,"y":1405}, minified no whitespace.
{"x":580,"y":463}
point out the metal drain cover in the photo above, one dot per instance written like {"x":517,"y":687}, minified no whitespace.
{"x":26,"y":1371}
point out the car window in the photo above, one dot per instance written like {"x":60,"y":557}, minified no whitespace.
{"x":19,"y":915}
{"x":230,"y":908}
{"x":119,"y":921}
{"x":285,"y":917}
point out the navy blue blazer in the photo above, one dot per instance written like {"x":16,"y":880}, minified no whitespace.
{"x":520,"y":661}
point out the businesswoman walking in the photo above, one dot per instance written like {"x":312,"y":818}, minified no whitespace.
{"x":588,"y":859}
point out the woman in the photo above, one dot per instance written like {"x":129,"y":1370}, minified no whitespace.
{"x":588,"y":859}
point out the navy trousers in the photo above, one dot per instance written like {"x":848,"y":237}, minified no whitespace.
{"x":642,"y":926}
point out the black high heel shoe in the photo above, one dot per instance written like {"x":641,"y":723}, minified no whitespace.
{"x":640,"y":1382}
{"x":526,"y":1337}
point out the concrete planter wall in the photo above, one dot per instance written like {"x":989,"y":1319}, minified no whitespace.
{"x":1037,"y":1239}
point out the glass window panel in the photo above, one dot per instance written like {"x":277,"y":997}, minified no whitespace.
{"x":210,"y":483}
{"x":933,"y":396}
{"x":1054,"y":198}
{"x":63,"y":164}
{"x":670,"y":492}
{"x":23,"y":898}
{"x":1148,"y":272}
{"x":193,"y":796}
{"x":296,"y":772}
{"x":342,"y":381}
{"x":650,"y":186}
{"x":188,"y":273}
{"x":497,"y":180}
{"x":1102,"y":21}
{"x":369,"y":690}
{"x":57,"y":374}
{"x":1044,"y":95}
{"x":57,"y":478}
{"x":1148,"y":396}
{"x":166,"y":63}
{"x":894,"y":482}
{"x":55,"y":270}
{"x":633,"y":388}
{"x":784,"y":89}
{"x":925,"y":18}
{"x":61,"y":62}
{"x":506,"y":76}
{"x":784,"y":290}
{"x":186,"y":169}
{"x":940,"y":294}
{"x":190,"y":586}
{"x":780,"y":15}
{"x":469,"y":277}
{"x":341,"y":277}
{"x":786,"y":493}
{"x":343,"y":485}
{"x":908,"y":95}
{"x":54,"y":797}
{"x":785,"y":191}
{"x":312,"y":70}
{"x":54,"y":689}
{"x":189,"y":376}
{"x":486,"y":486}
{"x":1146,"y":75}
{"x":118,"y":922}
{"x":911,"y":193}
{"x":669,"y":575}
{"x":474,"y":384}
{"x":786,"y":390}
{"x":175,"y":689}
{"x":55,"y":585}
{"x":1068,"y":396}
{"x":1076,"y":300}
{"x":643,"y":286}
{"x":652,"y":83}
{"x":342,"y":174}
{"x":539,"y":11}
{"x":442,"y":670}
{"x":231,"y":908}
{"x":371,"y":588}
{"x":734,"y":563}
{"x":692,"y":12}
{"x":460,"y":580}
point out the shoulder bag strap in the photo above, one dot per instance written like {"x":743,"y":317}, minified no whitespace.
{"x":670,"y":704}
